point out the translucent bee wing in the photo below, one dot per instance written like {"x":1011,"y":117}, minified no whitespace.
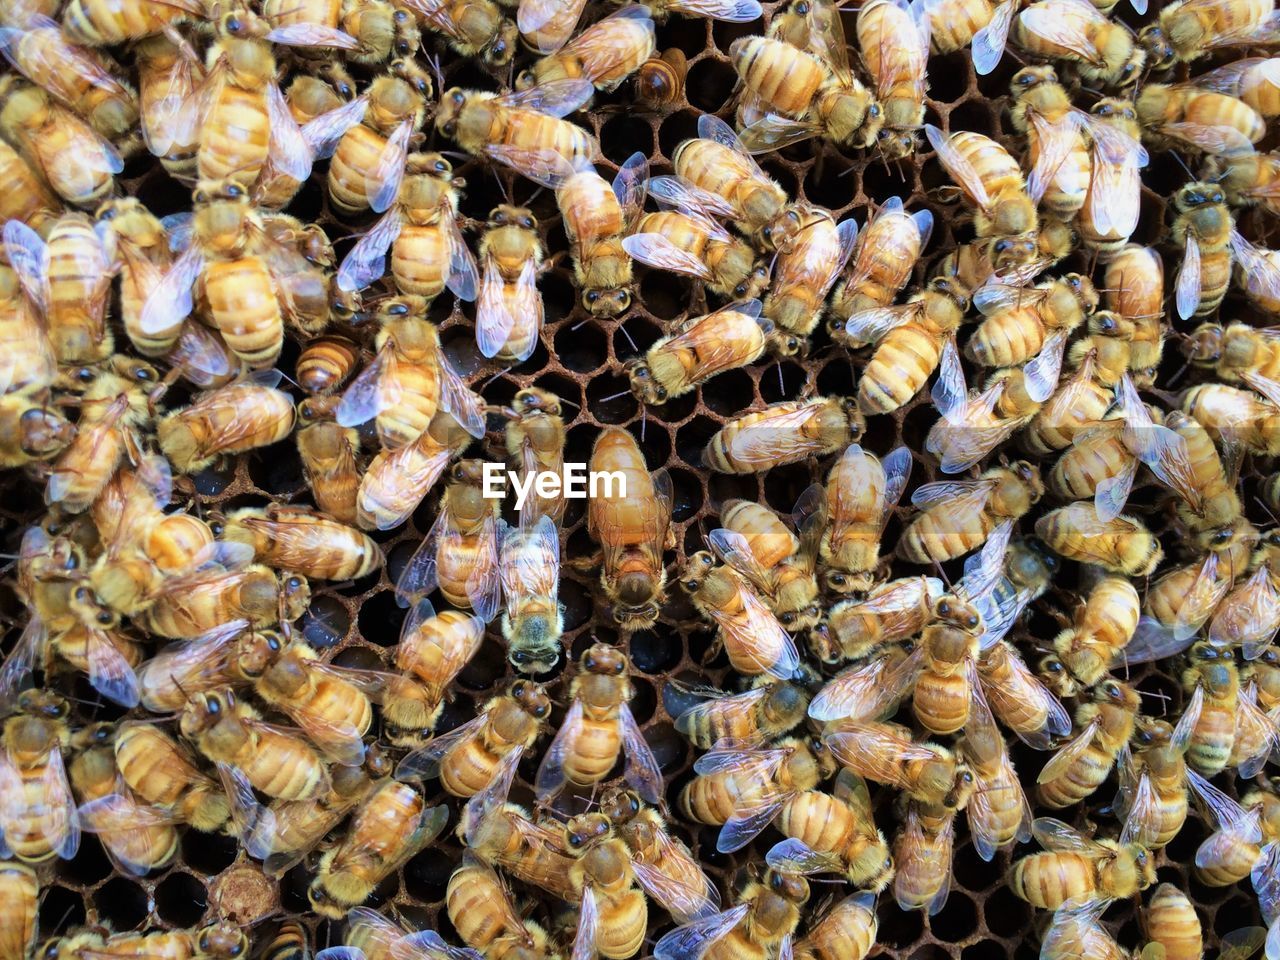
{"x":383,"y":184}
{"x":735,"y":550}
{"x":630,"y":183}
{"x":456,"y":398}
{"x":675,"y":193}
{"x":171,"y":301}
{"x":370,"y":393}
{"x":551,"y":776}
{"x":693,"y":940}
{"x":29,"y":256}
{"x":745,"y":823}
{"x":1189,"y":284}
{"x":126,"y":825}
{"x":494,"y":322}
{"x":657,"y":251}
{"x":867,"y":691}
{"x":1055,"y":141}
{"x":109,"y":672}
{"x":1153,"y":641}
{"x":424,"y":763}
{"x":584,"y":938}
{"x":641,"y":771}
{"x":289,"y":149}
{"x":1266,"y":880}
{"x":1245,"y":942}
{"x":463,"y":275}
{"x":491,"y":798}
{"x":772,"y":132}
{"x":323,"y":133}
{"x":1061,"y":761}
{"x":312,"y":35}
{"x":548,"y":24}
{"x":731,"y":11}
{"x":1061,"y":837}
{"x":60,"y":824}
{"x":556,"y":98}
{"x":20,"y":664}
{"x":1044,"y":370}
{"x":989,"y":42}
{"x":1219,"y":140}
{"x":958,"y":166}
{"x":429,"y":945}
{"x":1250,"y":615}
{"x":870,"y":326}
{"x":796,"y":856}
{"x":950,"y":390}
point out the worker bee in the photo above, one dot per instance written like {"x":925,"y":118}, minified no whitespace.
{"x":1227,"y":726}
{"x":804,"y":272}
{"x":613,"y":912}
{"x":1251,"y":80}
{"x":894,"y":40}
{"x":468,"y":758}
{"x":1134,"y":285}
{"x":923,"y":850}
{"x":19,"y":890}
{"x":509,"y":309}
{"x":1171,"y":922}
{"x":184,"y":667}
{"x":847,"y":929}
{"x":1110,"y":212}
{"x":1243,"y":841}
{"x":37,"y":815}
{"x":1238,"y":353}
{"x":909,"y":343}
{"x":220,"y":940}
{"x":691,"y":243}
{"x":660,"y":79}
{"x":67,"y":278}
{"x":28,"y":197}
{"x":782,"y":433}
{"x":326,"y":363}
{"x":883,"y":257}
{"x":1077,"y":770}
{"x":1103,"y":626}
{"x":299,"y":539}
{"x":139,"y":243}
{"x":717,"y":176}
{"x":391,"y":825}
{"x":887,"y":754}
{"x":472,"y":28}
{"x":1191,"y":117}
{"x":1153,"y":784}
{"x":1204,"y":227}
{"x":368,"y":164}
{"x":1188,"y":30}
{"x":229,"y":731}
{"x":806,"y":94}
{"x":747,"y":629}
{"x":1249,"y":616}
{"x":1057,"y":151}
{"x":1077,"y":868}
{"x":597,"y":727}
{"x":232,"y":419}
{"x":769,"y":709}
{"x":328,"y":454}
{"x":779,"y":564}
{"x":992,"y":181}
{"x":606,"y":53}
{"x":893,"y":611}
{"x":169,"y":73}
{"x":529,"y":569}
{"x":522,"y":130}
{"x":1232,"y":415}
{"x":1076,"y":931}
{"x":861,"y":492}
{"x":164,"y":773}
{"x":998,"y":812}
{"x":1079,"y":403}
{"x":1246,"y":179}
{"x":75,"y":161}
{"x":1121,"y":545}
{"x":428,"y":252}
{"x":981,"y":24}
{"x":762,"y":924}
{"x":957,"y":517}
{"x":1103,"y":50}
{"x":834,"y":832}
{"x":379,"y":29}
{"x":1019,"y":321}
{"x":535,"y":439}
{"x":481,"y":910}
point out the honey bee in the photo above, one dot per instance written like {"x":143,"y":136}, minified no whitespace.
{"x":597,"y":727}
{"x":391,"y":825}
{"x":1191,"y":117}
{"x":887,"y":754}
{"x":1077,"y":770}
{"x":1181,"y":602}
{"x":747,"y":629}
{"x":169,"y":73}
{"x":380,"y":30}
{"x":164,"y":773}
{"x":662,"y":864}
{"x":959,"y":516}
{"x":1103,"y":626}
{"x":1246,"y":179}
{"x":240,"y":416}
{"x":290,"y":942}
{"x":31,"y":429}
{"x":481,"y":910}
{"x":955,"y":24}
{"x":299,"y":539}
{"x":1191,"y":29}
{"x":909,"y":343}
{"x":717,"y":176}
{"x":428,"y":252}
{"x":782,"y":433}
{"x":1075,"y":931}
{"x":28,"y":197}
{"x":509,"y":310}
{"x":529,"y":569}
{"x":805,"y":271}
{"x":1110,"y":212}
{"x":632,"y":530}
{"x":1154,"y":782}
{"x":1238,"y":353}
{"x":779,"y":564}
{"x":762,"y":924}
{"x":68,"y":279}
{"x":1057,"y":152}
{"x":433,"y":649}
{"x":1249,"y":615}
{"x":535,"y":439}
{"x":137,"y":838}
{"x":472,"y":27}
{"x":97,"y":24}
{"x":1018,"y":321}
{"x":398,"y":480}
{"x":1121,"y":545}
{"x":704,"y":346}
{"x":221,"y":940}
{"x":892,"y":612}
{"x":998,"y":811}
{"x":833,"y":833}
{"x":992,"y":182}
{"x":806,"y":94}
{"x":1077,"y":868}
{"x":75,"y":161}
{"x":693,"y":244}
{"x":522,"y":130}
{"x":613,"y":914}
{"x":19,"y":890}
{"x":1204,"y":226}
{"x":191,"y":666}
{"x":846,"y":930}
{"x":894,"y":40}
{"x":883,"y":257}
{"x":409,"y":381}
{"x":1103,"y":50}
{"x":1172,"y":923}
{"x":467,"y":759}
{"x":461,"y":553}
{"x":1251,"y":80}
{"x":595,"y":217}
{"x":1243,"y":842}
{"x":606,"y":53}
{"x":861,"y":492}
{"x":326,"y":363}
{"x":368,"y":164}
{"x":138,"y":242}
{"x":660,"y":79}
{"x":37,"y":815}
{"x":328,"y":454}
{"x":1134,"y":284}
{"x":924,"y":849}
{"x":228,"y":731}
{"x":1227,"y":726}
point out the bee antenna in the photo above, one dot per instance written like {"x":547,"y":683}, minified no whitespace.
{"x":623,"y":328}
{"x":613,"y":396}
{"x":1183,"y":164}
{"x":943,"y":574}
{"x":1267,"y":509}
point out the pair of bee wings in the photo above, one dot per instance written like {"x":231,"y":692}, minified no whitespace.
{"x":751,"y":767}
{"x":1260,"y":276}
{"x":859,"y":472}
{"x":679,"y":194}
{"x":982,"y":813}
{"x":505,"y":307}
{"x":1154,"y":640}
{"x":109,"y":672}
{"x":960,"y":168}
{"x":864,"y":264}
{"x":543,"y":165}
{"x":1249,"y":615}
{"x":366,"y":263}
{"x":903,"y":46}
{"x":424,"y":763}
{"x":693,"y":940}
{"x":54,"y":810}
{"x":753,"y":633}
{"x":1070,"y":24}
{"x":483,"y":585}
{"x":641,"y":771}
{"x":261,"y":829}
{"x":1252,"y":725}
{"x":1234,"y":826}
{"x":187,"y":666}
{"x":530,"y":564}
{"x":397,"y":481}
{"x":29,"y":256}
{"x":419,"y":945}
{"x":38,"y":50}
{"x":455,"y":656}
{"x":916,"y":842}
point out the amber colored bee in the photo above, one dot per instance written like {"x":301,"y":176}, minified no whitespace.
{"x":1228,"y":729}
{"x":328,"y":453}
{"x":37,"y":812}
{"x":31,"y":429}
{"x":220,"y":940}
{"x":764,"y":920}
{"x":614,"y":913}
{"x":769,"y":709}
{"x":894,"y":40}
{"x":509,"y":310}
{"x":76,"y":162}
{"x":845,"y":931}
{"x":779,"y":564}
{"x":1181,"y":601}
{"x":861,"y":492}
{"x":69,"y":279}
{"x":1243,"y":831}
{"x":472,"y":27}
{"x":535,"y":439}
{"x":1208,"y":499}
{"x":185,"y":667}
{"x":232,"y":419}
{"x":1134,"y":288}
{"x":595,"y":217}
{"x":1042,"y":110}
{"x":892,"y":611}
{"x":691,"y":243}
{"x":27,"y":197}
{"x":169,"y":72}
{"x":992,"y":182}
{"x":299,"y":539}
{"x":806,"y":94}
{"x":1121,"y":545}
{"x":1246,"y":179}
{"x":1111,"y":208}
{"x":137,"y":838}
{"x":290,"y":942}
{"x":805,"y":271}
{"x":229,"y":731}
{"x":19,"y":890}
{"x":599,"y":726}
{"x":884,"y":256}
{"x":1079,"y":403}
{"x":1103,"y":625}
{"x":326,"y":363}
{"x":606,"y":53}
{"x":481,"y":910}
{"x":958,"y":516}
{"x":163,"y":772}
{"x":923,"y":850}
{"x":1171,"y":921}
{"x":1247,"y":616}
{"x":97,"y":24}
{"x":782,"y":433}
{"x":529,"y":569}
{"x":432,"y":650}
{"x":1204,"y":227}
{"x":1232,"y":415}
{"x":1238,"y":353}
{"x":1075,"y":931}
{"x":1077,"y":770}
{"x":368,"y":162}
{"x":1190,"y":117}
{"x":138,"y":242}
{"x":955,"y":24}
{"x":909,"y":343}
{"x":1190,"y":29}
{"x":998,"y":811}
{"x":886,"y":753}
{"x":1154,"y":781}
{"x":466,"y":760}
{"x":1018,"y":321}
{"x":660,"y":79}
{"x":391,"y":825}
{"x":1077,"y":868}
{"x":632,"y":530}
{"x":1102,"y":50}
{"x":381,"y":30}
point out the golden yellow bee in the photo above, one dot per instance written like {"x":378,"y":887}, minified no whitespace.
{"x":782,"y":433}
{"x":138,"y":242}
{"x":535,"y":439}
{"x":1191,"y":117}
{"x":1251,"y":80}
{"x":1103,"y":625}
{"x":998,"y":811}
{"x":894,"y":40}
{"x":595,"y":216}
{"x":806,"y":94}
{"x":1103,"y":50}
{"x":606,"y":53}
{"x":169,"y":72}
{"x":884,"y":256}
{"x":861,"y":492}
{"x":992,"y":182}
{"x":1227,"y":726}
{"x":232,"y":419}
{"x":480,"y":908}
{"x":290,"y":942}
{"x":1076,"y":931}
{"x":220,"y":940}
{"x":1247,"y":179}
{"x":613,"y":914}
{"x":1110,"y":212}
{"x":1077,"y":868}
{"x":691,"y":243}
{"x":1154,"y":781}
{"x":777,"y":563}
{"x":1247,"y":615}
{"x":328,"y":453}
{"x":27,"y":196}
{"x":509,"y":310}
{"x":1058,"y":153}
{"x":806,"y":270}
{"x":19,"y":890}
{"x":1121,"y":545}
{"x":1190,"y":29}
{"x":297,"y":538}
{"x":598,"y":727}
{"x":368,"y":162}
{"x":380,"y":30}
{"x":769,"y":709}
{"x":392,"y":824}
{"x":1018,"y":321}
{"x":37,"y":812}
{"x":1232,"y":415}
{"x":1134,"y":288}
{"x":1077,"y":770}
{"x":104,"y":24}
{"x":923,"y":850}
{"x":892,"y":612}
{"x":1243,"y":829}
{"x":529,"y":570}
{"x":886,"y":753}
{"x":845,"y":931}
{"x":1204,"y":227}
{"x":957,"y":517}
{"x":765,"y":919}
{"x":164,"y":773}
{"x":1171,"y":921}
{"x":326,"y":363}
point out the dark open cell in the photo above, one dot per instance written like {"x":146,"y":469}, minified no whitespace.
{"x":709,"y":83}
{"x":728,"y":392}
{"x":781,"y":381}
{"x":657,"y":650}
{"x":956,"y":921}
{"x":61,"y":909}
{"x":832,"y":184}
{"x":644,"y":700}
{"x":983,"y":950}
{"x":577,"y":603}
{"x":381,"y":618}
{"x":687,"y":494}
{"x":180,"y":899}
{"x":974,"y":873}
{"x":624,"y":135}
{"x":121,"y":902}
{"x":89,"y":865}
{"x":487,"y":665}
{"x":898,"y":928}
{"x":582,"y":348}
{"x":677,"y":128}
{"x":209,"y":853}
{"x":609,"y":399}
{"x":692,"y":438}
{"x":1005,"y":914}
{"x":427,"y":875}
{"x":325,"y":622}
{"x":665,"y":295}
{"x":654,"y":441}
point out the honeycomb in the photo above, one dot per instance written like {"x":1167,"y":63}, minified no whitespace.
{"x":580,"y":359}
